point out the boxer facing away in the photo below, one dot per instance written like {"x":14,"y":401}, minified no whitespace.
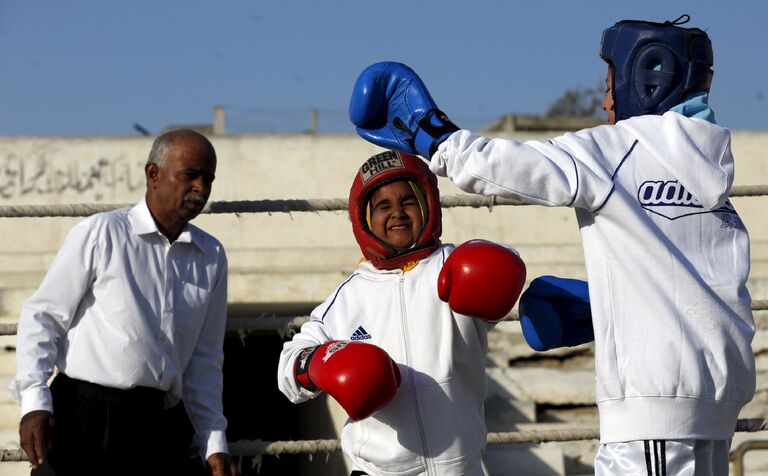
{"x":665,"y":250}
{"x":401,"y":343}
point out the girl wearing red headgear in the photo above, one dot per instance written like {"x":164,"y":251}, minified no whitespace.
{"x":406,"y":366}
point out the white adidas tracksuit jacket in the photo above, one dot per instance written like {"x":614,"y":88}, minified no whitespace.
{"x":667,"y":260}
{"x":435,"y":424}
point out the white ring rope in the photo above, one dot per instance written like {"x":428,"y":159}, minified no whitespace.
{"x":287,"y":206}
{"x":242,"y":326}
{"x":274,"y":448}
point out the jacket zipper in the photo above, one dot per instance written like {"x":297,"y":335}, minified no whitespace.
{"x":412,"y":393}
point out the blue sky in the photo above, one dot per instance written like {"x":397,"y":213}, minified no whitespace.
{"x":96,"y":67}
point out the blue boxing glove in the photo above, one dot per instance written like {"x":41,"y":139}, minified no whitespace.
{"x":392,"y":108}
{"x":555,"y":312}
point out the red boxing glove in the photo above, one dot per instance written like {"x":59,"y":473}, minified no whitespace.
{"x":481,"y":279}
{"x":361,"y":377}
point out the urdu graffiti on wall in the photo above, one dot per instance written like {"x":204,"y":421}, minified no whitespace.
{"x":24,"y":177}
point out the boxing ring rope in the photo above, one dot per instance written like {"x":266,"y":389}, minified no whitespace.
{"x":244,"y":326}
{"x":275,"y":448}
{"x":287,"y":206}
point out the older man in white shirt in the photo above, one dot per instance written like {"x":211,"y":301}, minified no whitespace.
{"x":132,"y":314}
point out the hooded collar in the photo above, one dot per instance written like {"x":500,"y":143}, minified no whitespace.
{"x":696,"y":106}
{"x":694,"y":151}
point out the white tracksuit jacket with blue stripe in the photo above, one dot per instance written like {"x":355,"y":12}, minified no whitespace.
{"x":435,"y":424}
{"x":667,"y":261}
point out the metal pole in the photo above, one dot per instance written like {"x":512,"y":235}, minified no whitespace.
{"x":219,"y":121}
{"x":737,"y":455}
{"x":313,"y":121}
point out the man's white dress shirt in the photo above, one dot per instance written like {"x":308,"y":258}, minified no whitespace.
{"x":121,"y":306}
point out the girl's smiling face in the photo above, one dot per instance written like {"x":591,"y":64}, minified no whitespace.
{"x":396,"y":216}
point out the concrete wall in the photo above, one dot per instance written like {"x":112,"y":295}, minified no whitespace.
{"x":279,"y":259}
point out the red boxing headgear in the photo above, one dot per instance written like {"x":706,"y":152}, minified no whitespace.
{"x":381,"y":169}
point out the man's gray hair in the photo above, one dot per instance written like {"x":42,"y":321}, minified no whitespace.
{"x":163,"y":143}
{"x":159,"y":150}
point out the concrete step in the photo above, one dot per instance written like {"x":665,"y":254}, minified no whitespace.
{"x":21,"y":279}
{"x":7,"y":356}
{"x":523,"y":460}
{"x":5,"y":394}
{"x":758,"y":287}
{"x":545,"y":386}
{"x":293,"y":286}
{"x":578,"y":456}
{"x":14,"y":469}
{"x":9,"y":439}
{"x":571,"y":253}
{"x":501,"y":413}
{"x":507,"y":347}
{"x":10,"y":413}
{"x":11,"y":300}
{"x":758,"y":250}
{"x":26,"y":261}
{"x":266,"y":258}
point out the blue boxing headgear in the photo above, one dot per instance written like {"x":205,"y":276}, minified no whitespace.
{"x":656,"y":66}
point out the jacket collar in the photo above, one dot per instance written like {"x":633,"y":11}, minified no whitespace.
{"x":368,"y":268}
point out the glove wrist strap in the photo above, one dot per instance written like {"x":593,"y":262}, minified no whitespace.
{"x":433,"y":129}
{"x":301,"y":369}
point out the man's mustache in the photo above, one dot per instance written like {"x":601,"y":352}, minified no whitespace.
{"x":196,"y":199}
